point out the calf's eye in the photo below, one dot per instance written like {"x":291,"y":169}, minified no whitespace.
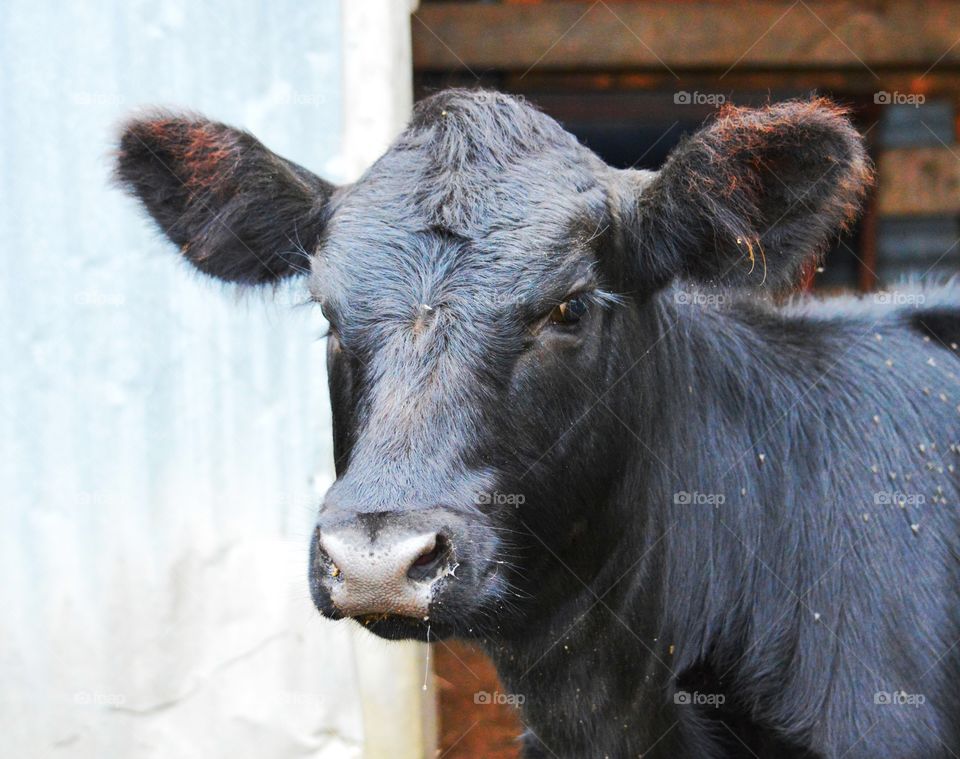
{"x":569,"y":312}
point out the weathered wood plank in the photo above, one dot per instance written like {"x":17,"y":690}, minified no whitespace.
{"x":652,"y":35}
{"x":919,"y":181}
{"x":938,"y":82}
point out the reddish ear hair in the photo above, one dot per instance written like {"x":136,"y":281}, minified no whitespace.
{"x":751,"y":198}
{"x":238,"y":211}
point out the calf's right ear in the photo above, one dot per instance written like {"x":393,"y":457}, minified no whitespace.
{"x":237,"y":211}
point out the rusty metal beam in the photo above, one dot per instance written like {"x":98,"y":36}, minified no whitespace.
{"x":659,"y":36}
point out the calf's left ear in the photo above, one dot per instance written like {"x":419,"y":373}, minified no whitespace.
{"x":749,"y":199}
{"x":238,"y":211}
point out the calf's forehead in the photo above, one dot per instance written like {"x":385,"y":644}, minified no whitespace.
{"x":481,"y":191}
{"x":525,"y":225}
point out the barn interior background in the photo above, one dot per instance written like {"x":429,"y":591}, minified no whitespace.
{"x":166,"y":441}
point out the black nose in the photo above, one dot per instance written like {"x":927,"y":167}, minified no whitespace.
{"x":387,"y":571}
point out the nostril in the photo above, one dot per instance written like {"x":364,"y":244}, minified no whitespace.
{"x":427,"y":562}
{"x":427,"y":558}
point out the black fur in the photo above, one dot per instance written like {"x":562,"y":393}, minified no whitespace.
{"x":814,"y":568}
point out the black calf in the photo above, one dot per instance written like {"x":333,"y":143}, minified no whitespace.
{"x":571,"y":423}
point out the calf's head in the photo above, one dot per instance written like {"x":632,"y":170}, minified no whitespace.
{"x":482,"y":282}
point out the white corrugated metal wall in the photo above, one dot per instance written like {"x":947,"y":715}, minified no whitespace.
{"x":165,"y":441}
